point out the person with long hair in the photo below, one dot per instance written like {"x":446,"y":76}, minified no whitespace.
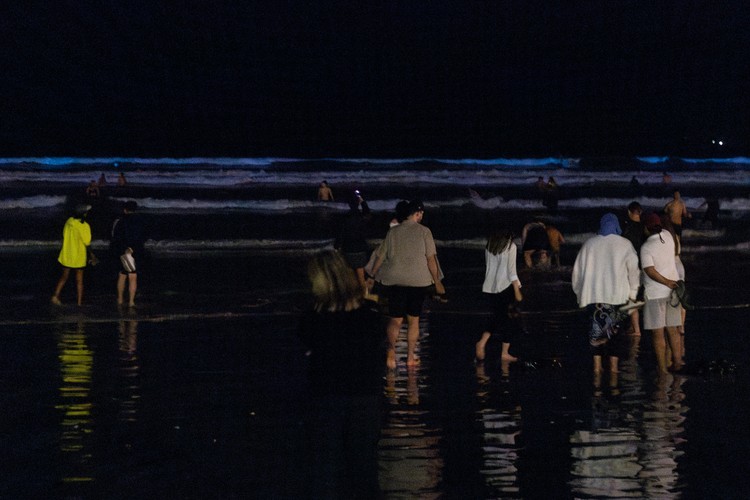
{"x":502,"y":288}
{"x":74,"y":254}
{"x":345,"y":337}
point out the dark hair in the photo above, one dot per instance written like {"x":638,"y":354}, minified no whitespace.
{"x":130,"y":206}
{"x":402,"y":210}
{"x":633,"y":206}
{"x":499,"y":240}
{"x":414,"y":207}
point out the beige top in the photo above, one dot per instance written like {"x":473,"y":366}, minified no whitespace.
{"x":404,"y":252}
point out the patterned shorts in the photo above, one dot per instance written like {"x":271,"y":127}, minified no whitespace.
{"x":606,"y":321}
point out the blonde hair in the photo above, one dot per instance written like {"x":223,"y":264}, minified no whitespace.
{"x":334,"y":284}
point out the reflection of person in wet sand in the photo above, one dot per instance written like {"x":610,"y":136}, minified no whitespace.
{"x":605,"y":277}
{"x":503,"y":288}
{"x":74,"y":252}
{"x":324,"y":192}
{"x":407,"y":267}
{"x":345,"y":336}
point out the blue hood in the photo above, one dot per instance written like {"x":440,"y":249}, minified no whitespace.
{"x":609,"y":225}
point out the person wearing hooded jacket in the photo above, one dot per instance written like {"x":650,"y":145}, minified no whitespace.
{"x":605,"y":277}
{"x":74,"y":252}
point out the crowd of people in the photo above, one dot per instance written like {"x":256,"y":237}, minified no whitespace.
{"x":623,"y":276}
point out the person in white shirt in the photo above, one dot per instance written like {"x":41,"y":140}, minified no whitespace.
{"x":605,"y":277}
{"x":659,"y":279}
{"x":502,"y":287}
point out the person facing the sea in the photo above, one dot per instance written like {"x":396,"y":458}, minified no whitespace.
{"x":407,"y":267}
{"x":127,"y":240}
{"x":74,"y":253}
{"x":351,"y":240}
{"x":502,"y":288}
{"x":633,"y":230}
{"x":659,"y":279}
{"x":605,"y":277}
{"x":121,"y":181}
{"x":346,"y":339}
{"x":556,"y":239}
{"x":676,"y":210}
{"x":324,"y":192}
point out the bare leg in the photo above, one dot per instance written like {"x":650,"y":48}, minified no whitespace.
{"x":660,"y":349}
{"x":79,"y":285}
{"x":412,"y":336}
{"x":613,"y":364}
{"x":597,"y":364}
{"x":132,"y":287}
{"x":394,"y":327}
{"x":673,"y":335}
{"x":635,"y":322}
{"x":121,"y":278}
{"x":505,"y":355}
{"x":479,"y":348}
{"x":360,"y":271}
{"x":60,"y":284}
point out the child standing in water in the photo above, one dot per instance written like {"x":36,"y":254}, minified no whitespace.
{"x":503,"y":288}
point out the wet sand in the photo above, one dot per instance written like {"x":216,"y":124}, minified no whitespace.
{"x":201,"y":391}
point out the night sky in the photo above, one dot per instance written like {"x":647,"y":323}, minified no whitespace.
{"x":374,"y":79}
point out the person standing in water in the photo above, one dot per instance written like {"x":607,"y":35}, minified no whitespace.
{"x":127,"y":245}
{"x":352,"y":241}
{"x":605,"y":277}
{"x":324,"y":192}
{"x":407,"y":267}
{"x":659,"y":279}
{"x":502,"y":289}
{"x":676,"y":210}
{"x":74,"y":254}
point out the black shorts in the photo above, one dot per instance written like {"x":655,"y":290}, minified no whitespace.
{"x":405,"y":300}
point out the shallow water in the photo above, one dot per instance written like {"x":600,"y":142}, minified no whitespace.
{"x":202,"y":393}
{"x":199,"y":397}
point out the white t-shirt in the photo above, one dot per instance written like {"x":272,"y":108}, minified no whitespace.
{"x":658,"y":252}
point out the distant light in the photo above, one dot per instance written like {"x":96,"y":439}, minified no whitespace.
{"x":713,"y":142}
{"x":721,"y":143}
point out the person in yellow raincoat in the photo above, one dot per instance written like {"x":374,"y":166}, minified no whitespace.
{"x":74,"y":253}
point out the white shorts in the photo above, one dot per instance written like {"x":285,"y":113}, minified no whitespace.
{"x":657,"y":313}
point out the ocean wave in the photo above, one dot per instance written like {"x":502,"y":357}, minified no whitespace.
{"x":268,"y":244}
{"x":737,"y":206}
{"x":249,"y":173}
{"x":31,"y":202}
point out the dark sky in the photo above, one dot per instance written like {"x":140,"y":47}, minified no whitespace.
{"x":456,"y":78}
